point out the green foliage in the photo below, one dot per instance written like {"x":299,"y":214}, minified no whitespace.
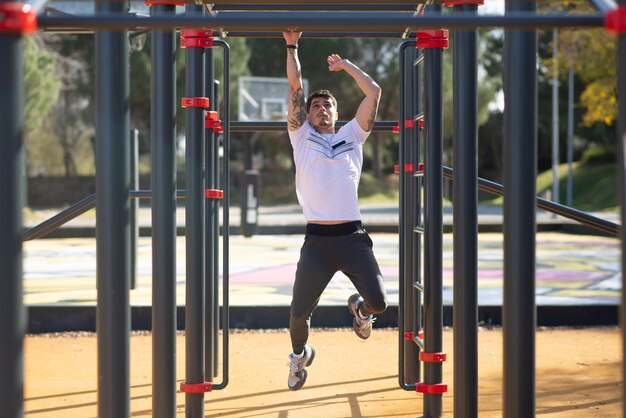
{"x":595,"y":187}
{"x":598,"y":155}
{"x":41,"y":84}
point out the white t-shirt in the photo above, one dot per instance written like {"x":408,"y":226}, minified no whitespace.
{"x":328,"y":170}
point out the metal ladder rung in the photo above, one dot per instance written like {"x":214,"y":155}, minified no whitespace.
{"x":418,"y":174}
{"x":418,"y":230}
{"x":420,"y":343}
{"x":418,"y":286}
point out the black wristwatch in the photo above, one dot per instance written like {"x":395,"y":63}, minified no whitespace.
{"x":292,"y":46}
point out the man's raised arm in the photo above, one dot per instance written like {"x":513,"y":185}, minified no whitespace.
{"x":296,"y":111}
{"x":366,"y":113}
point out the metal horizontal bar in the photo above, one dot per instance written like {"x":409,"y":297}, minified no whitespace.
{"x":318,"y":6}
{"x":322,"y":21}
{"x":61,"y":218}
{"x":313,"y":35}
{"x":270,"y":126}
{"x":419,"y":342}
{"x":320,"y":2}
{"x":418,"y":286}
{"x":565,"y":211}
{"x":419,"y":116}
{"x":418,"y":230}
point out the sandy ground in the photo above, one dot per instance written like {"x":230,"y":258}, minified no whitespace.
{"x":578,"y":375}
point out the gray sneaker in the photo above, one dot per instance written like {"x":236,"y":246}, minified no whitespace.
{"x":362,"y":327}
{"x":297,"y":373}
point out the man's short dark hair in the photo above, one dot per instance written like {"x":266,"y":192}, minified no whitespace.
{"x":326,"y":94}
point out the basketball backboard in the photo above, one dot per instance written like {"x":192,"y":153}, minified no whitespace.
{"x":264,"y":98}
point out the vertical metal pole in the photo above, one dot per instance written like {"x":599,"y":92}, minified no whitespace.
{"x":555,"y":116}
{"x":134,"y":205}
{"x":433,"y":222}
{"x":216,"y":228}
{"x":411,"y":352}
{"x":210,"y":210}
{"x":194,"y":221}
{"x":112,"y":217}
{"x":163,"y":146}
{"x":12,"y":182}
{"x":520,"y":168}
{"x":621,"y":140}
{"x":465,"y":240}
{"x":570,"y":137}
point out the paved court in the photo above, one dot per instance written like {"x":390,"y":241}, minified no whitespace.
{"x":571,"y":270}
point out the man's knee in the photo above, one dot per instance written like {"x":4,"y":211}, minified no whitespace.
{"x":299,"y":314}
{"x":376,"y":305}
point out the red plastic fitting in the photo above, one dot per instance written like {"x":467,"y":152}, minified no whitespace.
{"x":212,"y":121}
{"x":196,"y":38}
{"x":214,"y":194}
{"x":451,"y":3}
{"x":408,"y":124}
{"x":17,"y":18}
{"x":194,"y":102}
{"x":396,"y":169}
{"x":165,"y":2}
{"x":420,"y":334}
{"x":196,"y":387}
{"x":432,"y":357}
{"x":420,"y":123}
{"x":420,"y":167}
{"x":615,"y":20}
{"x":408,"y":336}
{"x":435,"y":38}
{"x":431,"y":389}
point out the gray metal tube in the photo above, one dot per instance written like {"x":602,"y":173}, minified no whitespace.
{"x":411,"y":354}
{"x":134,"y":205}
{"x":12,"y":183}
{"x":194,"y":220}
{"x":520,"y":169}
{"x":465,"y":239}
{"x":163,"y":146}
{"x":569,"y":201}
{"x":433,"y":222}
{"x":112,"y":217}
{"x":210,"y":214}
{"x":621,"y":140}
{"x":311,"y":21}
{"x":226,"y":219}
{"x":603,"y":5}
{"x":555,"y":116}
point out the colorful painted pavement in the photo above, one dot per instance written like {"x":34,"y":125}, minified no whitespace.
{"x":571,"y":270}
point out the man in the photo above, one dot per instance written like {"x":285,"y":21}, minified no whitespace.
{"x":328,"y":169}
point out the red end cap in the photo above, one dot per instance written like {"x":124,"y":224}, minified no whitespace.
{"x":396,"y":169}
{"x":214,"y":194}
{"x":420,"y":334}
{"x":395,"y":129}
{"x":17,"y":18}
{"x":196,"y":387}
{"x":420,"y":123}
{"x":433,"y":357}
{"x":194,"y":102}
{"x":420,"y":167}
{"x":165,"y":2}
{"x":431,"y":389}
{"x":435,"y":38}
{"x":615,"y":20}
{"x":451,"y":3}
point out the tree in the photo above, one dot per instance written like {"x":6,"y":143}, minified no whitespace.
{"x":42,"y":89}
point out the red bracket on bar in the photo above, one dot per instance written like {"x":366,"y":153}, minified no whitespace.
{"x":196,"y":387}
{"x":196,"y":38}
{"x":212,"y":121}
{"x":194,"y":102}
{"x":435,"y":38}
{"x":451,"y":3}
{"x":214,"y":194}
{"x":431,"y":389}
{"x":408,"y":168}
{"x":17,"y":18}
{"x":420,"y":123}
{"x":420,"y":167}
{"x":615,"y":20}
{"x":408,"y":336}
{"x":408,"y":124}
{"x":165,"y":2}
{"x":433,"y":357}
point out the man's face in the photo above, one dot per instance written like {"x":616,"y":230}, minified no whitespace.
{"x":322,"y":114}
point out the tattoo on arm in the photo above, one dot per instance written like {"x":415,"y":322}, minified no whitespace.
{"x":370,"y":121}
{"x":299,"y":109}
